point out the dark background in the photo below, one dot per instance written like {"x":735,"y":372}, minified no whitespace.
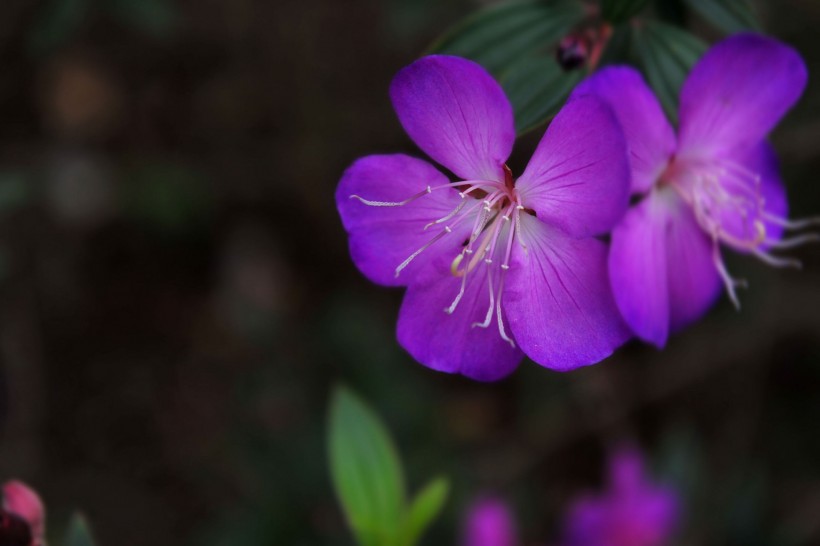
{"x":176,"y":298}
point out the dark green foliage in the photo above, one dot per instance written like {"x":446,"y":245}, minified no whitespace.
{"x":728,"y":15}
{"x":516,"y":42}
{"x":537,"y":88}
{"x":619,"y":11}
{"x":666,"y":55}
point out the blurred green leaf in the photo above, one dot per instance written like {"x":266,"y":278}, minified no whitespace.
{"x":15,"y":190}
{"x":423,"y":510}
{"x":57,"y":21}
{"x":537,"y":87}
{"x":366,"y":471}
{"x":156,"y":17}
{"x":728,"y":15}
{"x":619,"y":11}
{"x":666,"y":54}
{"x":78,"y":533}
{"x":497,"y":36}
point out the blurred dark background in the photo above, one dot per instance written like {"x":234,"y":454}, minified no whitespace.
{"x":176,"y":298}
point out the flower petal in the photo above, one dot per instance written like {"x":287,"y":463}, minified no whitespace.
{"x":383,"y":237}
{"x":649,"y":136}
{"x":490,"y":523}
{"x":449,"y":342}
{"x":457,"y":113}
{"x":22,"y":501}
{"x":578,"y":177}
{"x":737,"y":93}
{"x":761,"y":161}
{"x":693,"y":280}
{"x":558,"y":299}
{"x":661,"y":267}
{"x":637,"y":269}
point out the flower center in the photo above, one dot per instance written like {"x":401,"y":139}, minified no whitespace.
{"x":728,"y":203}
{"x":495,"y":209}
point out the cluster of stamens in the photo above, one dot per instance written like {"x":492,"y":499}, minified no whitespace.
{"x":495,"y":209}
{"x":720,"y":191}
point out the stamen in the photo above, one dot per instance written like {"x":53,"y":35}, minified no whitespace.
{"x":802,"y":223}
{"x":449,"y":216}
{"x":517,"y":226}
{"x":392,"y":203}
{"x":412,"y":257}
{"x":777,"y":262}
{"x":449,"y":310}
{"x":489,"y":317}
{"x":501,"y":330}
{"x":792,"y":242}
{"x":506,"y":263}
{"x":728,"y":281}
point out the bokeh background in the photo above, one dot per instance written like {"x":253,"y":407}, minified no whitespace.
{"x":177,"y":302}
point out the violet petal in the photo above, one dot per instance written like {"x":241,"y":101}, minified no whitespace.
{"x":457,"y":113}
{"x":637,"y":268}
{"x":560,"y":307}
{"x":649,"y":136}
{"x":738,"y":92}
{"x":449,"y":342}
{"x":578,"y":177}
{"x":381,"y":238}
{"x":759,"y":160}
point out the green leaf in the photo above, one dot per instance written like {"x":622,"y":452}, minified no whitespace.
{"x":78,"y":533}
{"x":157,"y":17}
{"x":366,"y":471}
{"x":537,"y":87}
{"x":497,"y":36}
{"x":56,"y":23}
{"x":728,"y":15}
{"x":618,"y":11}
{"x":666,"y":54}
{"x":424,"y":509}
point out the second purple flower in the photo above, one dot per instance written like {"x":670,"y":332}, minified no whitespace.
{"x":495,"y":267}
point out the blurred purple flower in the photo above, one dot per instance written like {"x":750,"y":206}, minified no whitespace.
{"x":489,"y":523}
{"x":714,"y":183}
{"x":22,"y":518}
{"x":633,"y":511}
{"x":491,"y":252}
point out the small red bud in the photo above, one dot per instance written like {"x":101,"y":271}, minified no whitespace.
{"x":573,"y":52}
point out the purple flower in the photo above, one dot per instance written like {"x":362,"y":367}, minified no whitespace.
{"x":489,"y":523}
{"x":713,"y":184}
{"x":495,"y":267}
{"x":633,"y":511}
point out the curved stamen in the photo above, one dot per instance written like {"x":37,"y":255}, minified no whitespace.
{"x":728,"y":281}
{"x":489,"y":317}
{"x":502,"y":332}
{"x":792,"y":242}
{"x":476,"y":184}
{"x":774,"y":261}
{"x":801,"y":223}
{"x":370,"y":203}
{"x":413,"y":256}
{"x":495,"y":208}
